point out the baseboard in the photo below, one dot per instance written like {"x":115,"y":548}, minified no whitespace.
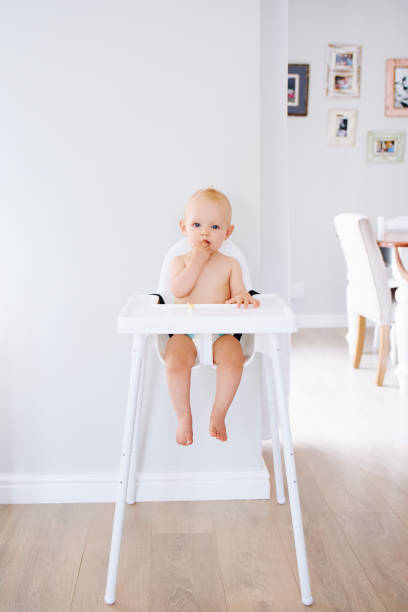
{"x":94,"y":488}
{"x":321,"y":320}
{"x":325,"y":320}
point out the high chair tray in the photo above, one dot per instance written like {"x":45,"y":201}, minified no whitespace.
{"x":143,"y":315}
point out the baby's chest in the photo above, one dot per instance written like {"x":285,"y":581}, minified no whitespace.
{"x":215,"y":276}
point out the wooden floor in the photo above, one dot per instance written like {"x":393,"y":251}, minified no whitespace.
{"x":351,"y":454}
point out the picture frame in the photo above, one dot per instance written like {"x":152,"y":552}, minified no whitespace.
{"x":396,"y":88}
{"x":343,"y":71}
{"x":385,"y":147}
{"x":298,"y":89}
{"x":344,"y":57}
{"x":343,"y":84}
{"x":342,"y":127}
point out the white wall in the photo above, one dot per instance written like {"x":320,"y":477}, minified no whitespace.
{"x":326,"y":180}
{"x":111,"y":115}
{"x":275,"y":217}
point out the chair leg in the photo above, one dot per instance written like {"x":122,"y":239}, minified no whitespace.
{"x":138,"y":350}
{"x":274,"y":422}
{"x":360,"y":341}
{"x":131,"y":491}
{"x":291,"y":477}
{"x":383,"y":354}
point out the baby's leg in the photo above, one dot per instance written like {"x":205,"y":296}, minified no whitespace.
{"x":180,"y":357}
{"x":228,"y":355}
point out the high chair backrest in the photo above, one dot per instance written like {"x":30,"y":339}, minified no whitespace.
{"x":366,"y":274}
{"x":183,"y":246}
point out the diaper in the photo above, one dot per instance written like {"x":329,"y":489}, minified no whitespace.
{"x":202,"y":354}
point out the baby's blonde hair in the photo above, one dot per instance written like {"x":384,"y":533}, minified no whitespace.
{"x":217,"y":196}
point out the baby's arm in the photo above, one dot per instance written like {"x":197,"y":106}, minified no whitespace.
{"x":184,"y":277}
{"x":239,"y":294}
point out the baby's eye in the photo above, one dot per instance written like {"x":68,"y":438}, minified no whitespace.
{"x":215,"y":227}
{"x":196,"y":225}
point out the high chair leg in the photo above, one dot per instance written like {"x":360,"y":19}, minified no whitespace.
{"x":275,"y":364}
{"x":131,"y":490}
{"x":276,"y":447}
{"x":138,"y":354}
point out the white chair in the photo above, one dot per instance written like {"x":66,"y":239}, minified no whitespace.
{"x":368,"y":293}
{"x":265,"y":341}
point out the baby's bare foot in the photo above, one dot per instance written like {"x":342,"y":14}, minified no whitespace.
{"x":217,"y":427}
{"x":184,"y":434}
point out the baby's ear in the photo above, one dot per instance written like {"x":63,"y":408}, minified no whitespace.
{"x":229,"y":231}
{"x":182,"y":226}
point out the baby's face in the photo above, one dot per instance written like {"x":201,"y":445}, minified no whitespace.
{"x":206,"y":220}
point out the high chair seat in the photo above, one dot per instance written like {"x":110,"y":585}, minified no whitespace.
{"x":150,"y":323}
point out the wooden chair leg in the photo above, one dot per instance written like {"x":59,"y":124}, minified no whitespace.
{"x":383,"y":354}
{"x":360,"y":341}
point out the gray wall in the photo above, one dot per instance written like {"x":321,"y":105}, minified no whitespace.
{"x":111,"y":116}
{"x":326,"y":180}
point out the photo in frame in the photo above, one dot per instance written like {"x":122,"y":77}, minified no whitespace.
{"x":396,"y":88}
{"x":298,"y":89}
{"x":344,"y":57}
{"x":343,"y":71}
{"x":385,"y":147}
{"x":342,"y":127}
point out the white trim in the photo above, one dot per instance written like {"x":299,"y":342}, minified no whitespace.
{"x":324,"y":320}
{"x":321,"y":320}
{"x":173,"y":486}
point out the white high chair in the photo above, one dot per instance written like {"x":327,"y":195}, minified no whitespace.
{"x":150,"y":322}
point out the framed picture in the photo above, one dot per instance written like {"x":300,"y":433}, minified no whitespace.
{"x":298,"y":89}
{"x":383,"y":147}
{"x":342,"y":127}
{"x":343,"y":71}
{"x":396,"y":88}
{"x":344,"y":57}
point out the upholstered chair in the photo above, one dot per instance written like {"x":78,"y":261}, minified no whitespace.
{"x":368,"y":291}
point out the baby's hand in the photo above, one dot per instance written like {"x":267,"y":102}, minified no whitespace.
{"x":245,"y":299}
{"x":201,"y":252}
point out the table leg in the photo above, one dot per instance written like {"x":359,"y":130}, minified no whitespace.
{"x":291,"y":478}
{"x":401,"y":324}
{"x":274,"y":422}
{"x":138,"y":350}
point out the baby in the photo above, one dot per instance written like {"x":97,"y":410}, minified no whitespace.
{"x":205,"y":276}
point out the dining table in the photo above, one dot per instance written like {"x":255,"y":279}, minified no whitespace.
{"x":397,"y":239}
